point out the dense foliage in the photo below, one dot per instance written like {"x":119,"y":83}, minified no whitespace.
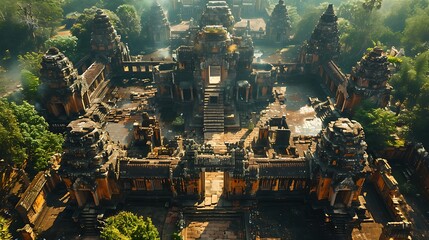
{"x":127,"y":225}
{"x":25,"y":24}
{"x":4,"y":229}
{"x":67,"y":45}
{"x":24,"y":137}
{"x":379,"y":126}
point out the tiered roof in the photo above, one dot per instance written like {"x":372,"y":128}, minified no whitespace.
{"x":324,"y":40}
{"x":342,"y":145}
{"x":104,"y":39}
{"x":157,"y":19}
{"x":372,"y":71}
{"x":279,"y":22}
{"x":88,"y":152}
{"x":217,"y":13}
{"x":57,"y":70}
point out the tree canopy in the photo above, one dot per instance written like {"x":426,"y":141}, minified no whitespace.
{"x":25,"y":25}
{"x":66,"y":44}
{"x":126,"y":225}
{"x":379,"y":126}
{"x":130,"y":26}
{"x":25,"y":138}
{"x":30,"y":85}
{"x":4,"y":229}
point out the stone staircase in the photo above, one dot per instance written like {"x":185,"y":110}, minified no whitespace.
{"x":214,"y":111}
{"x":214,"y":224}
{"x":88,"y":221}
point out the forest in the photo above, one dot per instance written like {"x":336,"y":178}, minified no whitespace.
{"x":29,"y":27}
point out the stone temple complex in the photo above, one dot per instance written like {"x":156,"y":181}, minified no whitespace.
{"x":242,"y":142}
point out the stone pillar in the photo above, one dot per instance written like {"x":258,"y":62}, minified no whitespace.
{"x":247,"y":93}
{"x":79,"y":198}
{"x":349,"y":203}
{"x":263,"y":134}
{"x":332,"y":202}
{"x":95,"y":197}
{"x":157,"y":136}
{"x":192,"y":93}
{"x":257,"y":92}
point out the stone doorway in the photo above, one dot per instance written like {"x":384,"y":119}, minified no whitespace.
{"x":213,"y":186}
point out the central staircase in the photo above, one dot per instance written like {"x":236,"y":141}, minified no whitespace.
{"x":89,"y":221}
{"x":214,"y":110}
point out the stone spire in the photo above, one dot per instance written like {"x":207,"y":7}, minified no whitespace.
{"x":372,"y":71}
{"x":341,"y":167}
{"x":324,"y":40}
{"x":342,"y":146}
{"x":89,"y":160}
{"x":104,"y":39}
{"x":61,"y":88}
{"x":159,"y":27}
{"x":217,"y":13}
{"x":369,"y":79}
{"x":279,"y":26}
{"x":57,"y":70}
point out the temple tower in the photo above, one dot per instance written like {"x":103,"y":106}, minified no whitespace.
{"x":104,"y":39}
{"x":63,"y":93}
{"x":368,"y":81}
{"x":341,"y":163}
{"x":159,"y":27}
{"x":279,"y":26}
{"x":324,"y":41}
{"x":89,"y":165}
{"x":217,"y":13}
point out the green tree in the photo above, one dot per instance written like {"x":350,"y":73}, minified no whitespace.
{"x":416,"y":32}
{"x":31,"y":61}
{"x":363,"y":27}
{"x":307,"y":24}
{"x":25,"y":25}
{"x":370,"y":5}
{"x":30,"y":84}
{"x":129,"y":22}
{"x":12,"y":146}
{"x":409,"y":81}
{"x":126,"y":225}
{"x":4,"y":229}
{"x":379,"y":126}
{"x":400,"y":80}
{"x":66,"y":44}
{"x":40,"y":143}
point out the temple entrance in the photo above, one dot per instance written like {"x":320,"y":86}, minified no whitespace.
{"x":59,"y":109}
{"x":342,"y":197}
{"x":187,"y":95}
{"x":214,"y":186}
{"x":85,"y":197}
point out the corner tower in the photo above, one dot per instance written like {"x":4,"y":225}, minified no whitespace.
{"x":217,"y":13}
{"x":63,"y":93}
{"x":340,"y":164}
{"x":90,"y":163}
{"x":324,"y":42}
{"x":104,"y":39}
{"x":368,"y":80}
{"x":279,"y":26}
{"x":159,"y":27}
